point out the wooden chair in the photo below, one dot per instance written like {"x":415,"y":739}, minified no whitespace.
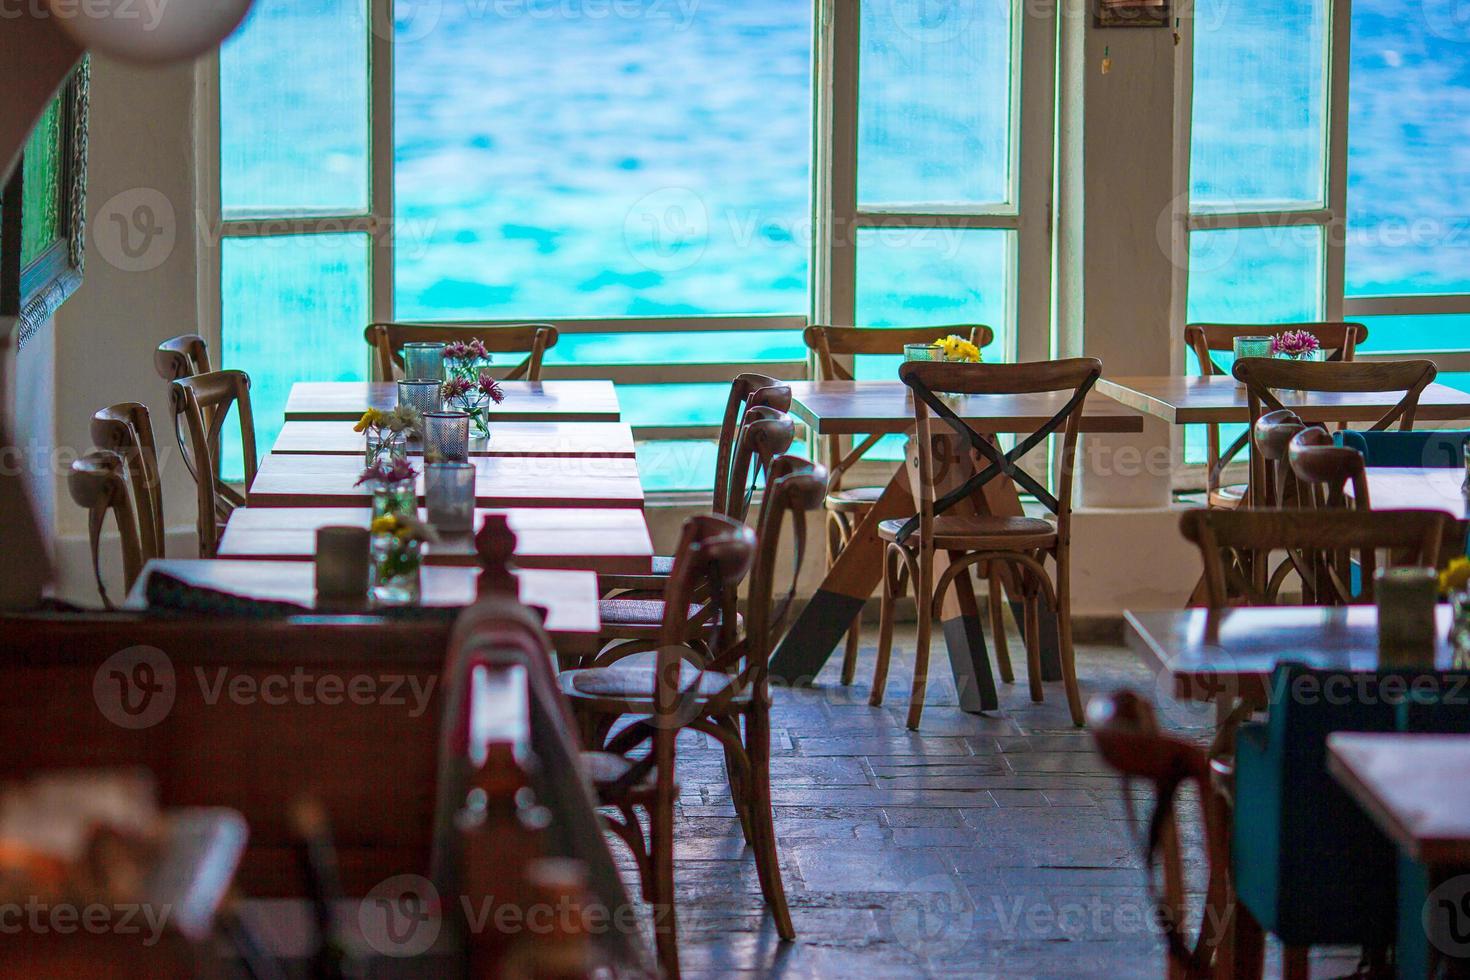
{"x":1229,"y":540}
{"x":747,"y":391}
{"x":1265,"y":377}
{"x":387,"y":340}
{"x":98,"y":483}
{"x":1129,"y":739}
{"x":1340,"y":340}
{"x":949,"y":520}
{"x":633,"y":622}
{"x":847,"y":506}
{"x":201,"y":404}
{"x":127,"y":430}
{"x":182,"y":357}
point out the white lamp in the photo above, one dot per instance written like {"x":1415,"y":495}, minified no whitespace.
{"x":149,"y":33}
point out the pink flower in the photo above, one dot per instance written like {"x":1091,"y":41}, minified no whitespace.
{"x":456,"y":387}
{"x":1294,"y":343}
{"x":489,"y":386}
{"x":456,"y":350}
{"x":398,"y":471}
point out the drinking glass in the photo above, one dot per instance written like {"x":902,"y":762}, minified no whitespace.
{"x":449,"y":492}
{"x":423,"y":361}
{"x":425,"y":396}
{"x":446,"y":437}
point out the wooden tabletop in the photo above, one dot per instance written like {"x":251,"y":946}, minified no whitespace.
{"x":1234,"y":652}
{"x":1181,"y":401}
{"x":569,"y":597}
{"x":850,"y":407}
{"x":608,"y":541}
{"x":1413,"y":786}
{"x":525,"y":401}
{"x":506,"y":439}
{"x":1417,"y":489}
{"x":525,"y":481}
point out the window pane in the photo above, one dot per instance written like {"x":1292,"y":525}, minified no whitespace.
{"x":294,"y":309}
{"x":603,"y":160}
{"x":1257,"y":275}
{"x":934,"y":120}
{"x":294,"y":110}
{"x":1447,"y":332}
{"x":1409,"y":153}
{"x":1259,"y":96}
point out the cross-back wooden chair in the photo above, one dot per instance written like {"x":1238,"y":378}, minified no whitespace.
{"x":126,"y":429}
{"x":203,"y":404}
{"x":1265,"y":377}
{"x":631,"y":623}
{"x":182,"y":357}
{"x":1339,"y":340}
{"x":535,"y":339}
{"x":1229,"y":540}
{"x":1272,"y":434}
{"x":847,"y":506}
{"x":747,"y":391}
{"x":949,"y":519}
{"x":98,"y":483}
{"x":1128,"y":737}
{"x":713,"y":556}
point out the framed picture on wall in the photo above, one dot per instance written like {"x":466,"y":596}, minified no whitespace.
{"x":43,"y":212}
{"x":1131,"y":13}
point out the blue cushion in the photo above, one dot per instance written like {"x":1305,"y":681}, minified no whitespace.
{"x":1408,"y":450}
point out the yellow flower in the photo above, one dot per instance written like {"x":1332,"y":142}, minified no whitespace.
{"x":957,"y":348}
{"x":1456,"y":577}
{"x":387,"y":524}
{"x":371,"y":419}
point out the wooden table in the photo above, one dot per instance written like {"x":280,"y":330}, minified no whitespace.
{"x":607,"y":541}
{"x":1417,"y":489}
{"x":524,"y":481}
{"x":506,"y":439}
{"x":849,"y":407}
{"x":1415,"y":788}
{"x":1232,"y":654}
{"x":525,"y":401}
{"x":1220,"y":399}
{"x":570,"y":598}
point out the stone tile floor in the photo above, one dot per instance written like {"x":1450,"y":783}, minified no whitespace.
{"x":982,"y":846}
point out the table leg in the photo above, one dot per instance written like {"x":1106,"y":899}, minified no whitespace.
{"x":851,"y":580}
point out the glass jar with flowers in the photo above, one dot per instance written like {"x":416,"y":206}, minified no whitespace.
{"x":393,"y":486}
{"x":398,"y":554}
{"x":1296,"y":345}
{"x":387,"y":433}
{"x":1454,"y":584}
{"x":954,"y":349}
{"x":473,"y":397}
{"x":465,"y":359}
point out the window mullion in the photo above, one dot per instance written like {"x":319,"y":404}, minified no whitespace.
{"x":380,"y":182}
{"x":1339,"y":59}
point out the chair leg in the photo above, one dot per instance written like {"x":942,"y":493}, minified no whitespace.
{"x":665,"y":921}
{"x":1064,"y":637}
{"x":739,"y":793}
{"x":1033,"y":642}
{"x":892,"y":589}
{"x":767,"y":857}
{"x":998,"y":627}
{"x":850,"y":655}
{"x":839,"y":532}
{"x":924,"y":599}
{"x":1294,"y":964}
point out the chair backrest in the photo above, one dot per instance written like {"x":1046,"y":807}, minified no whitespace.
{"x":1265,"y":377}
{"x":829,"y":343}
{"x":387,"y":340}
{"x":1340,"y":340}
{"x":127,"y":430}
{"x":1324,"y":471}
{"x":764,"y":435}
{"x":1272,"y":435}
{"x":1128,"y":737}
{"x":747,"y":391}
{"x":929,"y":380}
{"x":203,"y":403}
{"x":98,"y":484}
{"x":1231,"y":540}
{"x":1444,"y":449}
{"x":182,"y":357}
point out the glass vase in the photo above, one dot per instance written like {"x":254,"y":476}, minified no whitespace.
{"x":468,"y":368}
{"x":1460,"y":629}
{"x":396,"y":564}
{"x":386,"y":446}
{"x":395,"y":498}
{"x":423,"y":361}
{"x":1312,"y":355}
